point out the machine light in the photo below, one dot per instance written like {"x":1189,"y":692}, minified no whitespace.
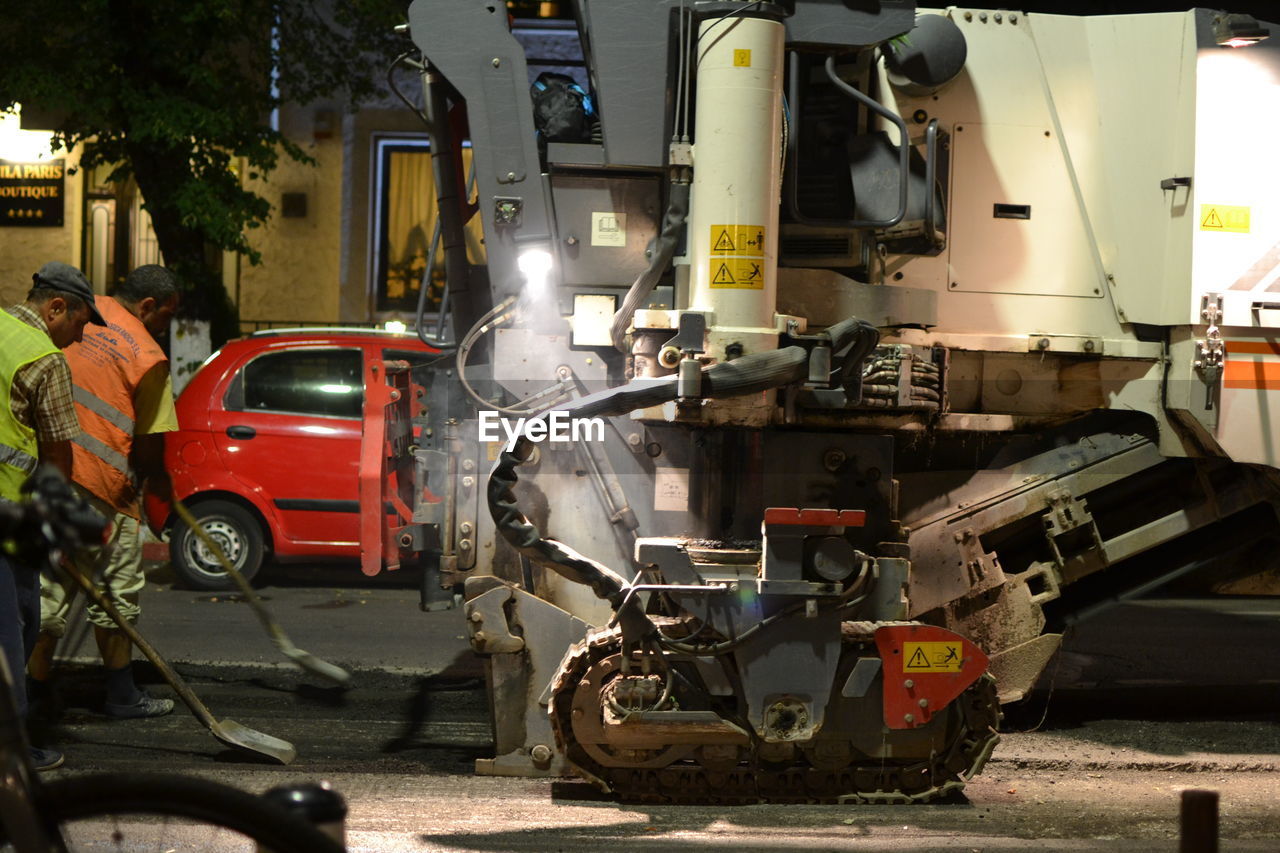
{"x":536,"y":265}
{"x":396,"y":326}
{"x":1236,"y":30}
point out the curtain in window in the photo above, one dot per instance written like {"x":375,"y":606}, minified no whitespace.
{"x":408,"y":226}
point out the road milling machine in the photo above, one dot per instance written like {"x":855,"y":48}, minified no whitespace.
{"x":826,"y":359}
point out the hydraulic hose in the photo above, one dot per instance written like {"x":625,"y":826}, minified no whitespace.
{"x":664,"y":251}
{"x":860,"y":338}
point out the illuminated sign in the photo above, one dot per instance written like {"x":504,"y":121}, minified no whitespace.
{"x":32,"y":194}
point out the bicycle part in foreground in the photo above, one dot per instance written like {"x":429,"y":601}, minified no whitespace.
{"x":120,"y":811}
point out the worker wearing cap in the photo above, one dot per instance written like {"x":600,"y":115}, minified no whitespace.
{"x":124,"y":400}
{"x":37,"y":424}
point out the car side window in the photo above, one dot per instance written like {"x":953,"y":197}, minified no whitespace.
{"x":302,"y":381}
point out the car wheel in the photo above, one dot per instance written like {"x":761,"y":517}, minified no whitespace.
{"x":235,"y":530}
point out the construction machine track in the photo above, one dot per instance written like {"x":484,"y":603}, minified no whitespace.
{"x":689,"y":773}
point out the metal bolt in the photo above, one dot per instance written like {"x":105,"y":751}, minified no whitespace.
{"x":464,"y":545}
{"x":1013,"y":19}
{"x":476,"y":616}
{"x":910,"y":718}
{"x":924,"y":703}
{"x":406,"y":540}
{"x":635,"y":440}
{"x":511,"y":176}
{"x":1043,"y":343}
{"x":1089,"y":346}
{"x":570,"y":241}
{"x":497,"y":63}
{"x":468,"y":465}
{"x":468,"y":482}
{"x":999,"y":18}
{"x":908,"y":684}
{"x":968,"y":16}
{"x":982,"y":16}
{"x":465,"y":528}
{"x":541,"y":753}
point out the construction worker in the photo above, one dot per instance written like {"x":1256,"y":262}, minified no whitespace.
{"x":124,"y":400}
{"x":37,"y":425}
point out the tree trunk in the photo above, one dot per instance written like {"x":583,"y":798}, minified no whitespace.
{"x":161,"y":176}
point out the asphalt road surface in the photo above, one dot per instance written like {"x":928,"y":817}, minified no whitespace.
{"x":1149,"y":699}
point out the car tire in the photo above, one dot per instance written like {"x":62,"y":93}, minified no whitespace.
{"x":236,"y":531}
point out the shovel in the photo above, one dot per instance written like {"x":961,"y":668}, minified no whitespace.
{"x":228,"y":731}
{"x":304,"y":660}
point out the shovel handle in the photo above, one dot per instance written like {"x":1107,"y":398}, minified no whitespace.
{"x":175,"y":681}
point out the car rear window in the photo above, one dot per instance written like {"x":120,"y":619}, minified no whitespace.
{"x":304,"y":381}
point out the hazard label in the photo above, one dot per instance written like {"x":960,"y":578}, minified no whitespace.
{"x":737,"y":239}
{"x":742,"y":58}
{"x":1223,"y":217}
{"x":744,"y":273}
{"x":932,"y":657}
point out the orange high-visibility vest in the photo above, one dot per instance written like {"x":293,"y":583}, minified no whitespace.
{"x":106,"y":369}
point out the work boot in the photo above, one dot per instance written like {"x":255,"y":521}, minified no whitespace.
{"x":146,"y":706}
{"x":45,"y":759}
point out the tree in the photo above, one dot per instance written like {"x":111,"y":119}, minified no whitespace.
{"x":177,"y":94}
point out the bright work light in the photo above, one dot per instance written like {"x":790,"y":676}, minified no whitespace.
{"x":535,"y":264}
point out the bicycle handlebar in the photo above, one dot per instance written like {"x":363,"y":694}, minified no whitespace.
{"x":51,"y":517}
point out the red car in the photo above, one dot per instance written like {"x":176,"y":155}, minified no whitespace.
{"x":268,"y":452}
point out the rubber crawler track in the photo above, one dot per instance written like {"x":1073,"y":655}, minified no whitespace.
{"x":687,"y":781}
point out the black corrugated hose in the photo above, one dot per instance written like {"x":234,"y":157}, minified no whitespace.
{"x":746,"y":375}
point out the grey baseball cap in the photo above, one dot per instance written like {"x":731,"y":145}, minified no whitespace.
{"x":56,"y":275}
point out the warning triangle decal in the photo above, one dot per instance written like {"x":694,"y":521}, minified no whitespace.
{"x":918,"y":660}
{"x":1212,"y":220}
{"x":723,"y":276}
{"x":725,"y":244}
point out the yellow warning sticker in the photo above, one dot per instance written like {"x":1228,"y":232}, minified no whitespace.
{"x":932,"y":657}
{"x":742,"y":58}
{"x":1224,"y":217}
{"x":743,"y":273}
{"x":737,"y":239}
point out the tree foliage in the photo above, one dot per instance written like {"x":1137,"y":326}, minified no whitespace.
{"x":177,"y":94}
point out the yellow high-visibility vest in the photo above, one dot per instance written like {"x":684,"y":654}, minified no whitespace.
{"x":20,"y":345}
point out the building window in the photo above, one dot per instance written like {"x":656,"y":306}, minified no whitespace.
{"x":405,"y":217}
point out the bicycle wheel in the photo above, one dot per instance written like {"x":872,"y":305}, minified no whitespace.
{"x":153,"y":811}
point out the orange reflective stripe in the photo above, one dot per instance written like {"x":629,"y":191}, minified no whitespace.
{"x":1263,"y":375}
{"x":1253,"y":347}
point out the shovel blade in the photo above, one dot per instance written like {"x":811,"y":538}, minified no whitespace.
{"x":242,"y":737}
{"x":314,"y":665}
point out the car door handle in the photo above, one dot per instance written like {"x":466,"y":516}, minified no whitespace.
{"x":241,"y":431}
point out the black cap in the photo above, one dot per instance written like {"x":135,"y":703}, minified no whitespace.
{"x":56,"y":275}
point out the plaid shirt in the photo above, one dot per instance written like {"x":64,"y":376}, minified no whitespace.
{"x":41,"y":393}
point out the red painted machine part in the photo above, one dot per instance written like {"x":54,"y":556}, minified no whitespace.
{"x":921,"y":675}
{"x":815,"y":517}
